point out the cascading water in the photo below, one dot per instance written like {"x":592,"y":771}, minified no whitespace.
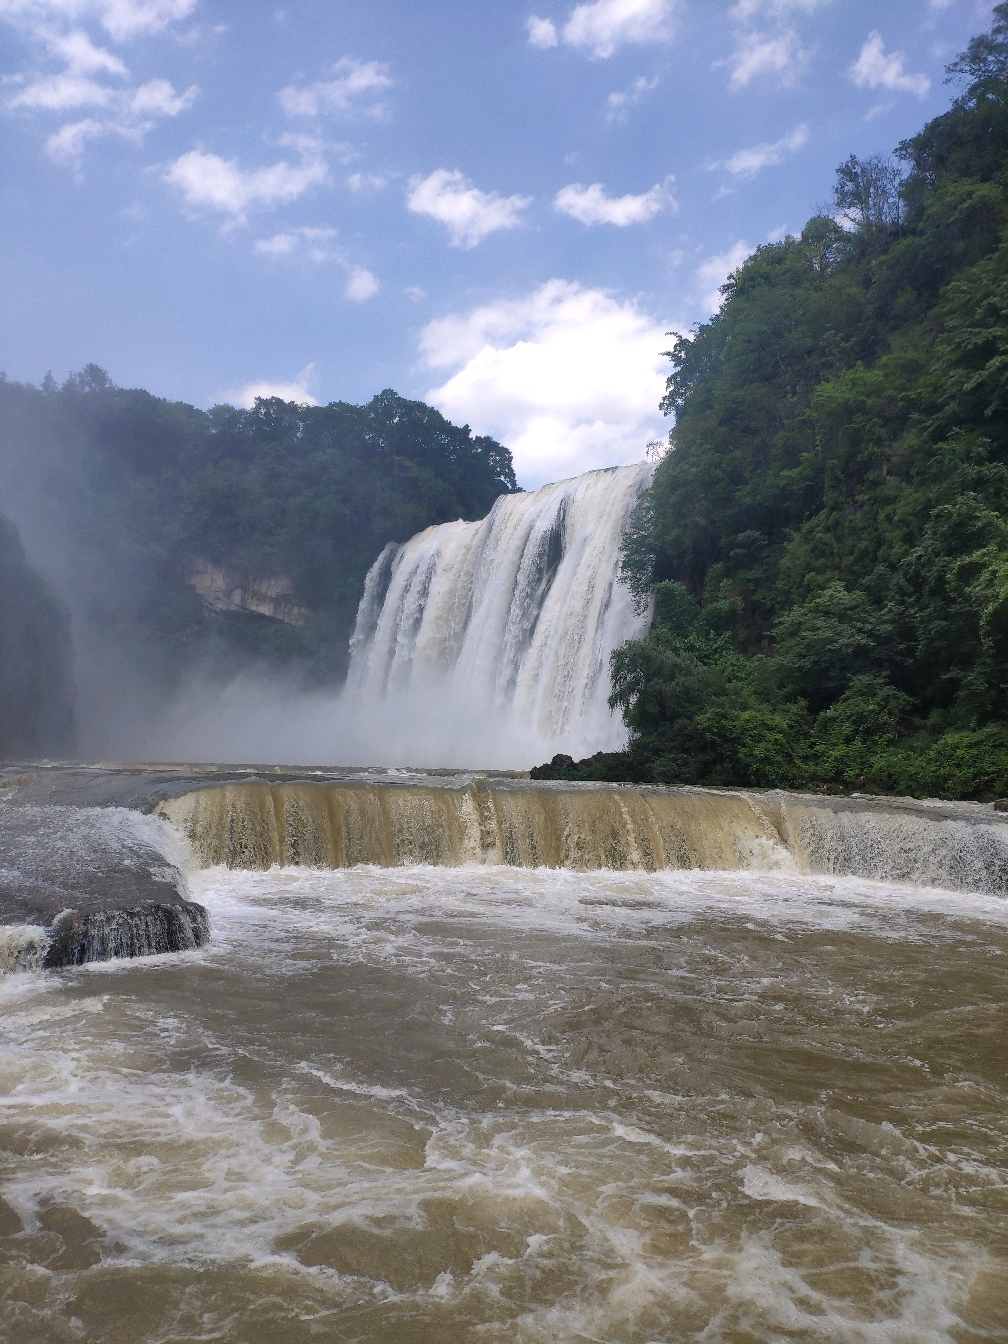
{"x":514,"y":617}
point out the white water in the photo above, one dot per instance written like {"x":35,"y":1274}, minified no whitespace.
{"x":508,"y":622}
{"x":499,"y":1104}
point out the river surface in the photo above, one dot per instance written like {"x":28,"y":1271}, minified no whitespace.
{"x":431,"y":1104}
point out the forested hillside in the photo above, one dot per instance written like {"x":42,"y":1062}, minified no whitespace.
{"x":178,"y":534}
{"x":36,"y":658}
{"x":826,"y":539}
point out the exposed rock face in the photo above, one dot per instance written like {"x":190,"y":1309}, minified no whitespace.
{"x":36,"y":658}
{"x":222,"y":590}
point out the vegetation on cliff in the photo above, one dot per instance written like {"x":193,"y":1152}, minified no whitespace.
{"x":826,"y":540}
{"x":135,"y":495}
{"x":36,"y":657}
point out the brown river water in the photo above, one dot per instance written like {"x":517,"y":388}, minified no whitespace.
{"x":496,"y":1103}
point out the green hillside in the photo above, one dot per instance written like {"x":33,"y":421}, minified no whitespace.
{"x":36,"y":659}
{"x":826,"y":540}
{"x":228,"y":535}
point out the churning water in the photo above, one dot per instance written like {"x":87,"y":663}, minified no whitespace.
{"x":496,"y":1103}
{"x":509,"y":621}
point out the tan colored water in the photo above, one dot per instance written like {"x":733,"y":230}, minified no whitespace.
{"x":491,"y":1103}
{"x":527,"y":825}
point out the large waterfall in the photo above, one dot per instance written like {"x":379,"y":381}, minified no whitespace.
{"x":506,"y":625}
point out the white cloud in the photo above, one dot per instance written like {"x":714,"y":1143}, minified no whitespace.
{"x":352,"y":80}
{"x":314,"y":243}
{"x":158,"y":98}
{"x":468,"y":213}
{"x":569,"y":378}
{"x":712,"y":274}
{"x":590,"y":205}
{"x":604,"y":26}
{"x":757,"y":55}
{"x":66,"y":146}
{"x":92,"y":78}
{"x":361,"y":285}
{"x":617,"y":103}
{"x":875,"y":69}
{"x":541,"y":33}
{"x":121,"y":19}
{"x":207,"y":181}
{"x":61,"y":93}
{"x":82,"y":56}
{"x":748,"y":9}
{"x":748,"y":162}
{"x":296,"y":390}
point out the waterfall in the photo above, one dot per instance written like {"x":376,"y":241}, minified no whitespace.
{"x":511,"y":620}
{"x":960,"y":846}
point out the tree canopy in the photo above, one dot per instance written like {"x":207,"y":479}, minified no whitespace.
{"x":826,"y":540}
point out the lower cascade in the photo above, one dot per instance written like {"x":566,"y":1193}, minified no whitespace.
{"x":961,"y":847}
{"x":513,"y":618}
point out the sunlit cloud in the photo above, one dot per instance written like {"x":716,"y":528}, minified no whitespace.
{"x":541,"y":33}
{"x":468,"y":214}
{"x":748,"y":162}
{"x":569,"y":378}
{"x":777,"y":55}
{"x":92,"y":79}
{"x":875,"y":68}
{"x":350,"y":89}
{"x":208,"y":182}
{"x":602,"y":28}
{"x":361,"y":285}
{"x":295,"y":389}
{"x":712,"y":273}
{"x":590,"y":205}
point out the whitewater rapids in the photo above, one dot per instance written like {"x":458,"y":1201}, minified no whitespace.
{"x":502,"y":1104}
{"x":511,"y":621}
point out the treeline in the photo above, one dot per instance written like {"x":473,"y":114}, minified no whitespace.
{"x":826,"y":540}
{"x":125,"y":497}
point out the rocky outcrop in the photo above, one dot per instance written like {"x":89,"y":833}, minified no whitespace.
{"x":223,"y":590}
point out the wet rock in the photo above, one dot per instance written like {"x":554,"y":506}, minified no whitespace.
{"x":139,"y":931}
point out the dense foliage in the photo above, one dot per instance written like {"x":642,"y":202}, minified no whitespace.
{"x":826,"y":540}
{"x":124,"y":492}
{"x":36,"y":656}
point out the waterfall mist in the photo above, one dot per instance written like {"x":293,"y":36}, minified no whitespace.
{"x":480,"y":644}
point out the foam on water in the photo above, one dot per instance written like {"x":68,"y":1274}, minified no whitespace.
{"x":498,"y":1103}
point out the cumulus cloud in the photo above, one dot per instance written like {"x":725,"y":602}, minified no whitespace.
{"x":712,"y":274}
{"x":603,"y":27}
{"x":295,"y":390}
{"x":361,"y":285}
{"x":206,"y":181}
{"x":748,"y":162}
{"x":874,"y":69}
{"x":469,"y":214}
{"x":758,"y":55}
{"x":569,"y":378}
{"x":617,"y":103}
{"x":351,"y":89}
{"x":92,"y":78}
{"x":541,"y":32}
{"x":590,"y":205}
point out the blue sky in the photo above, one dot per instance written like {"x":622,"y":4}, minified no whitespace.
{"x":501,"y":208}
